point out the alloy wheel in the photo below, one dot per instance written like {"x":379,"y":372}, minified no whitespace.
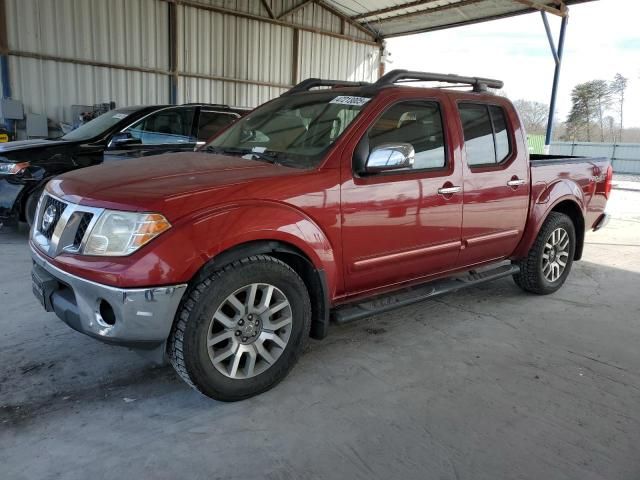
{"x":555,"y":254}
{"x":249,"y":331}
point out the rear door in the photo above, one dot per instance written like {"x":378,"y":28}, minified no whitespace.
{"x":496,"y":182}
{"x":396,"y":226}
{"x":171,"y":129}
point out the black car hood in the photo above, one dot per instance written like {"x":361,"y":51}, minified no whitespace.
{"x":29,"y":144}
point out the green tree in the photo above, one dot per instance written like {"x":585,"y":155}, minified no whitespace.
{"x":582,"y":113}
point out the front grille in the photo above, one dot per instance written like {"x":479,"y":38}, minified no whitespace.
{"x":51,"y":213}
{"x":71,"y":221}
{"x":82,"y":229}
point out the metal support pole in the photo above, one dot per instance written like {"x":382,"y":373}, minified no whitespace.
{"x":556,"y":76}
{"x":173,"y":53}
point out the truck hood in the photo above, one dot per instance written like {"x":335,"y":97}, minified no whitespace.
{"x":28,"y":144}
{"x":173,"y":184}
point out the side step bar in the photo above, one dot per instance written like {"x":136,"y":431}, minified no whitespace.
{"x":407,"y":296}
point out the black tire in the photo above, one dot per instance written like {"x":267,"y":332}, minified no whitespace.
{"x":531,"y":277}
{"x":31,"y":204}
{"x":187,"y":345}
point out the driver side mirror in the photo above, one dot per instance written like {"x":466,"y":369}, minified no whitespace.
{"x":390,"y":156}
{"x":121,"y":139}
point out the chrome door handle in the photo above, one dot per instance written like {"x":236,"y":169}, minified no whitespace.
{"x":449,"y":190}
{"x":516,"y":183}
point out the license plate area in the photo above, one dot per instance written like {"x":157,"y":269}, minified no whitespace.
{"x":43,"y":285}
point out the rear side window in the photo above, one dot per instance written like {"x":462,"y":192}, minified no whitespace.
{"x":418,"y":123}
{"x":486,"y":138}
{"x":212,"y":122}
{"x":168,"y":126}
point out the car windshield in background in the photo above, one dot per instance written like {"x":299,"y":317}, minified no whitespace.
{"x":98,"y":125}
{"x":292,"y":130}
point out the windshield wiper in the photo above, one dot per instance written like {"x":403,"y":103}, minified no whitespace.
{"x":268,"y":157}
{"x":271,"y":157}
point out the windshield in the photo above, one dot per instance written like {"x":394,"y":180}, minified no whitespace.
{"x":291,"y":130}
{"x":98,"y":125}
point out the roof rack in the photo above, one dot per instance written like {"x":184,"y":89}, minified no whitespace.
{"x":394,"y":76}
{"x":310,"y":83}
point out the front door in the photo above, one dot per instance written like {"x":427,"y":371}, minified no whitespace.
{"x":168,"y":130}
{"x":496,"y":184}
{"x":396,"y":226}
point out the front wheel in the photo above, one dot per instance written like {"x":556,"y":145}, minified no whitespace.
{"x":241,"y":330}
{"x":549,"y":261}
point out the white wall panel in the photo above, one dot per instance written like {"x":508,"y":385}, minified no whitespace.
{"x":128,"y":32}
{"x":224,"y":45}
{"x":230,"y":93}
{"x":50,"y":88}
{"x":328,"y":57}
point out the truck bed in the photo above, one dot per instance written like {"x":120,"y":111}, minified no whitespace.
{"x":584,"y":177}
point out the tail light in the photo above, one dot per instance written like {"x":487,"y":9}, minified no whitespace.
{"x":608,"y":182}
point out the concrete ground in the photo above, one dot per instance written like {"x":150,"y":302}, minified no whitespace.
{"x":488,"y":383}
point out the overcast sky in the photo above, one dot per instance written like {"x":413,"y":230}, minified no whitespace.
{"x":603,"y":37}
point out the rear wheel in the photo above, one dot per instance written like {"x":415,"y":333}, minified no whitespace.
{"x":241,"y":330}
{"x":549,"y":261}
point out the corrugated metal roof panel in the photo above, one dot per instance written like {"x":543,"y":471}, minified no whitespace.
{"x":413,"y":16}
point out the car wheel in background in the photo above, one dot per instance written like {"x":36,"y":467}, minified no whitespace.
{"x":31,"y":204}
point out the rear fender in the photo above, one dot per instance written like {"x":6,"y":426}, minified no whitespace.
{"x":546,"y":200}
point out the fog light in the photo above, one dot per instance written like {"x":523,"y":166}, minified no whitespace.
{"x":107,"y":313}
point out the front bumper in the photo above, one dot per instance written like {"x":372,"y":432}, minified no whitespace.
{"x":137,"y":318}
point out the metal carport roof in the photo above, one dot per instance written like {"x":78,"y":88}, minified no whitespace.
{"x":389,"y":18}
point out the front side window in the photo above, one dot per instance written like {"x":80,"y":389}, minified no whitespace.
{"x":211,"y":122}
{"x":293,"y":130}
{"x":169,"y":126}
{"x":418,"y":123}
{"x":486,"y":139}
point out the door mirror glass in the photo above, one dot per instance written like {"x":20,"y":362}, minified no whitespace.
{"x":121,"y":139}
{"x":390,"y":156}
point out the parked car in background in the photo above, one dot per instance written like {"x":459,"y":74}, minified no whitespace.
{"x":345,"y":202}
{"x":26,"y":166}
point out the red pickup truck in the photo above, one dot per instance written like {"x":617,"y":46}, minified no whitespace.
{"x":323,"y":203}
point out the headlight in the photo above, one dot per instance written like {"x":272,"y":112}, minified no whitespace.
{"x":122,"y":233}
{"x":12,"y":168}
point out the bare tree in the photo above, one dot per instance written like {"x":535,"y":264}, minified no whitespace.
{"x":534,"y":115}
{"x":602,"y":100}
{"x":618,"y":87}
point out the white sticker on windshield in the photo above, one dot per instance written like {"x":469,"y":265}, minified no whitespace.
{"x":120,"y":116}
{"x":347,"y":100}
{"x":259,"y":149}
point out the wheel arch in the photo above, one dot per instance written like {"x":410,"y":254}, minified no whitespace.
{"x":572,"y":210}
{"x":567,"y":204}
{"x":313,"y":277}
